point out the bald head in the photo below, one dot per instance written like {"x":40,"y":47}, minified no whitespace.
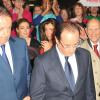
{"x":93,"y":30}
{"x":93,"y":22}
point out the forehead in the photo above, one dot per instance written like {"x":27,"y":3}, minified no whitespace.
{"x":78,"y":6}
{"x":24,"y":24}
{"x":18,"y":1}
{"x":49,"y":25}
{"x":5,"y":20}
{"x":94,"y":23}
{"x":69,"y":35}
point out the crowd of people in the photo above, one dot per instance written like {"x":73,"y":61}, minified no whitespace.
{"x":49,"y":53}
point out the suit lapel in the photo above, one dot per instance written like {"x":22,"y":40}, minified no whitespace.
{"x":89,"y":43}
{"x":13,"y":53}
{"x":81,"y":70}
{"x":4,"y":65}
{"x":59,"y":69}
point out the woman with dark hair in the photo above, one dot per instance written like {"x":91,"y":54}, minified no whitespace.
{"x":78,"y":18}
{"x":64,"y":13}
{"x":47,"y":31}
{"x":23,"y":31}
{"x":78,"y":13}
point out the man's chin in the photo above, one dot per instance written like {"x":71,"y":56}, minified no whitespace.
{"x":3,"y":40}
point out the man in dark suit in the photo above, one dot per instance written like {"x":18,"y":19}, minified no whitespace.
{"x":49,"y":79}
{"x":14,"y":62}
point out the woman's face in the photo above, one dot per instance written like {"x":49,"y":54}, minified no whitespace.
{"x":18,"y":4}
{"x":64,"y":14}
{"x":37,"y":10}
{"x":78,"y":10}
{"x":7,"y":3}
{"x":23,"y":30}
{"x":49,"y":31}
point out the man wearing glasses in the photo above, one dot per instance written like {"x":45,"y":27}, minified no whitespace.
{"x":65,"y":71}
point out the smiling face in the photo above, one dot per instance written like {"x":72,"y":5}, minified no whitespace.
{"x":93,"y":30}
{"x":23,"y":30}
{"x":5,"y":28}
{"x":49,"y":31}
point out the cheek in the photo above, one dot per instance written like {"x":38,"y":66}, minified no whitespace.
{"x":91,"y":34}
{"x":5,"y":33}
{"x":28,"y":31}
{"x":21,"y":31}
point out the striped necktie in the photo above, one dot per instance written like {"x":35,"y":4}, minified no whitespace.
{"x":96,"y":50}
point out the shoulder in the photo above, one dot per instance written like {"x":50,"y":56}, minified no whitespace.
{"x":83,"y":52}
{"x":18,"y":43}
{"x":17,"y":40}
{"x":47,"y":56}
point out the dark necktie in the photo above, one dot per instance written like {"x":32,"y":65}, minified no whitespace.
{"x":95,"y":50}
{"x":4,"y":56}
{"x":69,"y":74}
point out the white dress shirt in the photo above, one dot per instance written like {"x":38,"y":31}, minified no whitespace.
{"x":72,"y":61}
{"x":8,"y":54}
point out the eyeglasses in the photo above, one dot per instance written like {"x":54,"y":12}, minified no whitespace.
{"x":70,"y":46}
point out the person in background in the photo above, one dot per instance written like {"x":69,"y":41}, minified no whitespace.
{"x":93,"y":45}
{"x":78,"y":14}
{"x":50,"y":10}
{"x":65,"y":71}
{"x":37,"y":10}
{"x":78,"y":18}
{"x":23,"y":30}
{"x":93,"y":13}
{"x":7,"y":4}
{"x":14,"y":62}
{"x":47,"y":31}
{"x":64,"y":13}
{"x":19,"y":12}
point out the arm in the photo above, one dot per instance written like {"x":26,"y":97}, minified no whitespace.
{"x":46,"y":45}
{"x":90,"y":88}
{"x":28,"y":68}
{"x":37,"y":20}
{"x":37,"y":86}
{"x":56,"y":10}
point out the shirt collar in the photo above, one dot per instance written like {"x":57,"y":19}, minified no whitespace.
{"x":61,"y":55}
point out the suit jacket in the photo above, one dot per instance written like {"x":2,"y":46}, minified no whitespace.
{"x":15,"y":86}
{"x":48,"y":81}
{"x":96,"y":66}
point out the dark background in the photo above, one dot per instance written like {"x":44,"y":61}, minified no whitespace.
{"x":62,"y":3}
